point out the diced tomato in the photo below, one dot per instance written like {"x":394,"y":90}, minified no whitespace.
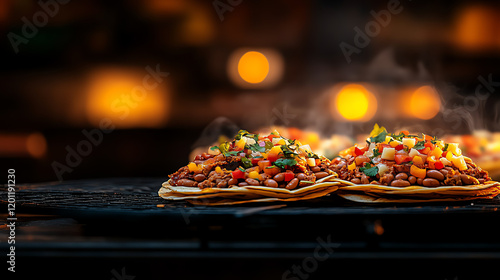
{"x":405,"y":132}
{"x":271,"y":171}
{"x":381,"y":147}
{"x":428,"y":138}
{"x":289,"y":176}
{"x":255,"y":161}
{"x":438,"y":165}
{"x":399,"y":147}
{"x":263,"y":164}
{"x":425,"y":150}
{"x":432,"y":164}
{"x":272,"y":157}
{"x":402,"y":158}
{"x":359,"y":151}
{"x":429,"y":145}
{"x":238,"y":174}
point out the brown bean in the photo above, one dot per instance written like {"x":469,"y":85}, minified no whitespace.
{"x":356,"y":181}
{"x":271,"y":183}
{"x":364,"y":179}
{"x":252,"y":182}
{"x":186,"y":183}
{"x":412,"y":180}
{"x":431,"y":182}
{"x":316,"y":169}
{"x":321,"y":174}
{"x":279,"y":177}
{"x":199,"y":177}
{"x":468,"y":180}
{"x":233,"y":181}
{"x":222,"y":184}
{"x":420,"y":181}
{"x":305,"y":183}
{"x":301,"y":176}
{"x":263,"y":176}
{"x":435,"y":174}
{"x":401,"y":176}
{"x":444,"y":172}
{"x":293,"y":184}
{"x":242,"y":184}
{"x":400,"y":183}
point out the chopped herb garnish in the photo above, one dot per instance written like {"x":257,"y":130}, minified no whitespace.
{"x":287,"y":152}
{"x":379,"y":138}
{"x":213,"y":148}
{"x":376,"y":153}
{"x":283,"y":162}
{"x":420,"y":145}
{"x":369,"y":170}
{"x":246,"y":162}
{"x":312,"y":155}
{"x":241,"y":169}
{"x":445,"y":147}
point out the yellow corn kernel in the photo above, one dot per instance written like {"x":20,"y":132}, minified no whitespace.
{"x":253,"y":175}
{"x":437,"y":152}
{"x":351,"y":166}
{"x":241,"y":143}
{"x":394,"y":143}
{"x":418,"y":160}
{"x":218,"y":169}
{"x":275,"y":150}
{"x":453,"y":147}
{"x":192,"y":167}
{"x":459,"y":162}
{"x":409,"y":142}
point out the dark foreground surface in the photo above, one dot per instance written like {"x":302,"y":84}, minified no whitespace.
{"x":114,"y":229}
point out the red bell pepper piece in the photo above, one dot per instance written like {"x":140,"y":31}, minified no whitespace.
{"x":238,"y":174}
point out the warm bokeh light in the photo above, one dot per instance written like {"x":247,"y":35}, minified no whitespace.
{"x":121,"y":96}
{"x":36,"y":145}
{"x":477,"y":28}
{"x":355,"y":103}
{"x":425,"y":103}
{"x":23,"y":145}
{"x":253,"y":67}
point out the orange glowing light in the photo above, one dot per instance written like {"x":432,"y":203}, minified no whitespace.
{"x":425,"y":103}
{"x":23,"y":145}
{"x":477,"y":28}
{"x":253,"y":67}
{"x":123,"y":97}
{"x":354,"y":103}
{"x":36,"y":145}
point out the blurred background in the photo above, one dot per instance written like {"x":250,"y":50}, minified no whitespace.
{"x":93,"y":89}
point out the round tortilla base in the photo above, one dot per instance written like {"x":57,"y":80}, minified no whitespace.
{"x":366,"y":198}
{"x":247,"y":194}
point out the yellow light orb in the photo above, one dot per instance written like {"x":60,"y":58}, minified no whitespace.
{"x":425,"y":103}
{"x":253,"y":67}
{"x":355,"y":103}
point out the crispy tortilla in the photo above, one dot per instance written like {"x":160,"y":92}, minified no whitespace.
{"x":246,"y":194}
{"x":220,"y":202}
{"x":412,"y":194}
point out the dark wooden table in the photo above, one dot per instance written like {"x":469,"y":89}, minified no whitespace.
{"x":99,"y":227}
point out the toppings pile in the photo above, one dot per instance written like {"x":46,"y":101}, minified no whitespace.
{"x":403,"y":159}
{"x":250,"y":159}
